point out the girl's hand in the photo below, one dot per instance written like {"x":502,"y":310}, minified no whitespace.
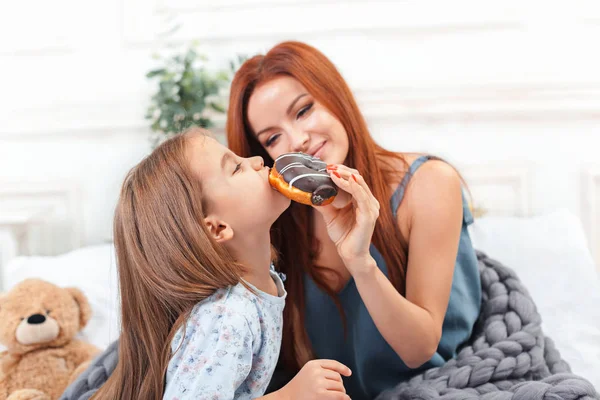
{"x":351,"y":222}
{"x":318,"y":379}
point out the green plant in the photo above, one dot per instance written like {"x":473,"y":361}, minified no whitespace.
{"x":187,"y":94}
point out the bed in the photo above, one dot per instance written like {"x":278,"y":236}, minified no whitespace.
{"x":549,"y":253}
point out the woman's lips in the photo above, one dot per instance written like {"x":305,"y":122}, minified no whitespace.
{"x":319,"y":150}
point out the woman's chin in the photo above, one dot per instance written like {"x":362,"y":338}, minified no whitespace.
{"x":330,"y":157}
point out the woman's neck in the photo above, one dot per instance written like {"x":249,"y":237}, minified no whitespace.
{"x":254,"y":253}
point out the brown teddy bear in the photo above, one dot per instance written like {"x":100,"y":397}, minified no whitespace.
{"x":39,"y":321}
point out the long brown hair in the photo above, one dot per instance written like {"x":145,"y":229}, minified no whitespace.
{"x":321,"y":78}
{"x":167,"y":262}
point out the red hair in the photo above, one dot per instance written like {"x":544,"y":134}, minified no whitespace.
{"x":296,"y":256}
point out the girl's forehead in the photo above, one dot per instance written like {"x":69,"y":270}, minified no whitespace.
{"x":204,"y":155}
{"x":204,"y":145}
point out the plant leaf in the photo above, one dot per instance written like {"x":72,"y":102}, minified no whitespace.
{"x":218,"y":107}
{"x":156,"y":72}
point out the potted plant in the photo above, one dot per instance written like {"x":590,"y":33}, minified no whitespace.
{"x":187,"y":93}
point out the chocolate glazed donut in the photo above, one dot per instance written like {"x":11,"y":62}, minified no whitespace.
{"x":303,"y":178}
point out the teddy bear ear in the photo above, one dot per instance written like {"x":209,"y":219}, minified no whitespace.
{"x":85,"y":311}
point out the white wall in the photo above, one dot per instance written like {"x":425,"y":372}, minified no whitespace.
{"x":508,"y":91}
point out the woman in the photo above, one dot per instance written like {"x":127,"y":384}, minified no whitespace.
{"x":414,"y":299}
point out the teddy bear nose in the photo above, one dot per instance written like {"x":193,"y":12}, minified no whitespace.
{"x":36,"y":319}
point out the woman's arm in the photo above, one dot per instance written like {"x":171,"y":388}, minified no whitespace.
{"x":412,"y":325}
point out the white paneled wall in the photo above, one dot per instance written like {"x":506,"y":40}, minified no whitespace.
{"x":507,"y":91}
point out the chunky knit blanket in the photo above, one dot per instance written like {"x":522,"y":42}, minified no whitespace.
{"x":507,"y":358}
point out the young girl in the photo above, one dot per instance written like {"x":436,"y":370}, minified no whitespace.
{"x":201,"y":305}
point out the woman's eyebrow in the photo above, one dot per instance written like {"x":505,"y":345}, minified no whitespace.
{"x":264,"y":131}
{"x":293,"y":103}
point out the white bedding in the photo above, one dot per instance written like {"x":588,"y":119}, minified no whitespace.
{"x":549,"y":254}
{"x":92,"y":269}
{"x":551,"y":257}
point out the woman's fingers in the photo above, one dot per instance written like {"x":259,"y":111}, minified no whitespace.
{"x":363,"y":201}
{"x":348,"y":174}
{"x":362,"y":198}
{"x":342,"y":169}
{"x":340,"y":179}
{"x":361,"y":181}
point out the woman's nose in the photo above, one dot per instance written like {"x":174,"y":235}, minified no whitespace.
{"x":299,"y":141}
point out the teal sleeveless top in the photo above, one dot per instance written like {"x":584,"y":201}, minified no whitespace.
{"x":375,"y":365}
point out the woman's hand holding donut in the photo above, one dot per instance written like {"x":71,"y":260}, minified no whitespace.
{"x":350,"y":220}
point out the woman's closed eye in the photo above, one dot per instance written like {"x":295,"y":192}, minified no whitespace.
{"x":237,"y":167}
{"x":304,"y":110}
{"x":272,"y":139}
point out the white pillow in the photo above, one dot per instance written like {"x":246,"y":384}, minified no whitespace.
{"x":550,"y":255}
{"x":91,"y":269}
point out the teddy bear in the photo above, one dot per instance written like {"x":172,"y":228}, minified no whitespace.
{"x":39,"y":321}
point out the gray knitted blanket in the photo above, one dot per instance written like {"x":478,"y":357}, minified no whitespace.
{"x":507,"y":358}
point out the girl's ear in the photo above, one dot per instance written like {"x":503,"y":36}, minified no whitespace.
{"x":220,"y":230}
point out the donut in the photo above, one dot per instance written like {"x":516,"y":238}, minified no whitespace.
{"x":302,"y":178}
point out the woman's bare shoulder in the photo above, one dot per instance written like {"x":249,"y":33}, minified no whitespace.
{"x":434,"y":179}
{"x":400,"y":166}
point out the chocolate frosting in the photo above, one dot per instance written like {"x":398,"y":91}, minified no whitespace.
{"x":306,"y":173}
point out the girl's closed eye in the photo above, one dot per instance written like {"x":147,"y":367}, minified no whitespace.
{"x":237,"y":167}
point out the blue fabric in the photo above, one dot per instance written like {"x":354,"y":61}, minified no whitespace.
{"x":375,"y":365}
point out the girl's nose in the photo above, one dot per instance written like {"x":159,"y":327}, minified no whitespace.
{"x":257,"y":162}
